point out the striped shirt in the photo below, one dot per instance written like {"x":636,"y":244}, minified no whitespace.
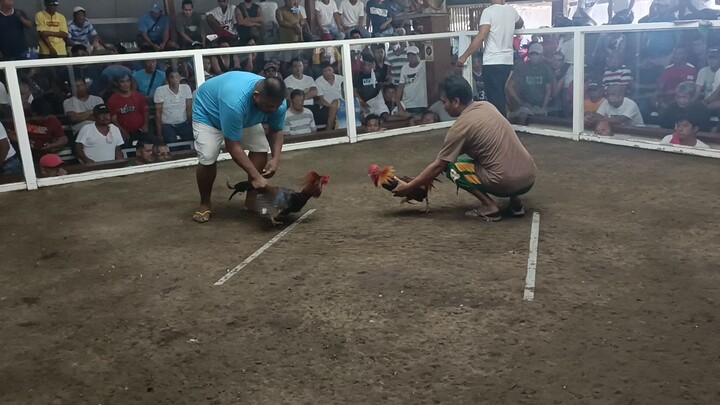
{"x":299,"y":123}
{"x":81,"y":35}
{"x":621,"y":75}
{"x":396,"y":63}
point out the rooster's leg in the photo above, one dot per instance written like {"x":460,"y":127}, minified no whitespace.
{"x":274,"y":221}
{"x":427,"y":204}
{"x":405,"y":200}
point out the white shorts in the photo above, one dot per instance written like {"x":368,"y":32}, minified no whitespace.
{"x":209,"y":140}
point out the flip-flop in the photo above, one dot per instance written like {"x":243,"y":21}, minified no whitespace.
{"x":474,"y":213}
{"x":201,"y":216}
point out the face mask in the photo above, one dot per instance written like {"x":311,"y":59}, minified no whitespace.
{"x":295,"y":9}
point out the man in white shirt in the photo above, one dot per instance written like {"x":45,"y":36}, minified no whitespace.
{"x":353,"y":17}
{"x":619,"y":109}
{"x":174,"y":109}
{"x":101,"y":141}
{"x":79,"y":108}
{"x":686,"y":128}
{"x":330,"y":93}
{"x":707,"y":76}
{"x":327,"y":18}
{"x":297,"y":80}
{"x":497,"y":27}
{"x":413,"y":83}
{"x":9,"y":159}
{"x":222,"y":19}
{"x":270,"y":24}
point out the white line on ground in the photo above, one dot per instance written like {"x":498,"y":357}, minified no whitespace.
{"x":532,"y":259}
{"x":263,"y":248}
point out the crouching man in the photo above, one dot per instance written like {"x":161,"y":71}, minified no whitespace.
{"x":498,"y":164}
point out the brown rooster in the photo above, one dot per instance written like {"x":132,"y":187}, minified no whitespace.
{"x":279,"y":202}
{"x":387,"y":178}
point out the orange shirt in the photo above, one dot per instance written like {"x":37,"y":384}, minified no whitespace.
{"x":593,"y":107}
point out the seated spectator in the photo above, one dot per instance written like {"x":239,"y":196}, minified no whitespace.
{"x":593,"y":97}
{"x":26,"y":95}
{"x":328,"y":19}
{"x":396,"y":107}
{"x":271,"y":70}
{"x":429,"y":117}
{"x":383,"y":69}
{"x":645,"y":86}
{"x":604,"y":128}
{"x":155,"y":29}
{"x":101,"y":141}
{"x":221,"y":20}
{"x":189,"y":26}
{"x":677,"y":72}
{"x":413,"y":83}
{"x":44,"y":129}
{"x":224,"y":63}
{"x":9,"y":158}
{"x":298,"y":80}
{"x":299,"y":120}
{"x":530,"y":85}
{"x":686,"y":129}
{"x":352,"y":14}
{"x":367,"y":89}
{"x":51,"y":166}
{"x":397,"y":58}
{"x":52,"y":29}
{"x":174,"y":110}
{"x":330,"y":93}
{"x":439,"y":108}
{"x":706,"y":75}
{"x":143,"y":154}
{"x":684,"y":102}
{"x":249,"y":21}
{"x":162,"y":152}
{"x":207,"y":67}
{"x":269,"y":34}
{"x":618,"y":109}
{"x":79,"y":107}
{"x":149,"y":78}
{"x":615,"y":71}
{"x":129,"y":111}
{"x":372,"y":123}
{"x":327,"y":54}
{"x":81,"y":31}
{"x":381,"y":18}
{"x":252,"y":62}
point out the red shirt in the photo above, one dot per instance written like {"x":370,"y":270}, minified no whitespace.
{"x":674,"y":75}
{"x":45,"y":132}
{"x":130,"y":111}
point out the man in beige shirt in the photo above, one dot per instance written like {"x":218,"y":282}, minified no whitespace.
{"x":499,"y":164}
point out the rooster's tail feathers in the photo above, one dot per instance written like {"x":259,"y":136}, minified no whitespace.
{"x":240,"y":187}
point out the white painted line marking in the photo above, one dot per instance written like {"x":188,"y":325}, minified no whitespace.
{"x":264,"y":247}
{"x":532,"y":259}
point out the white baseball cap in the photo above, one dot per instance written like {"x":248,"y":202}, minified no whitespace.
{"x":78,"y":8}
{"x":412,"y":49}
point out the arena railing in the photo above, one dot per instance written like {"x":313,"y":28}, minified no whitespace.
{"x":575,"y":132}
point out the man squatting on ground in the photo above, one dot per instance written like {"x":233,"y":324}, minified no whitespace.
{"x":499,"y":164}
{"x":231,"y":108}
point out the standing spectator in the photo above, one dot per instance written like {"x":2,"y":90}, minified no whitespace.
{"x":531,"y":85}
{"x":298,"y":80}
{"x":129,"y":111}
{"x":706,"y":75}
{"x":143,"y":154}
{"x":44,"y":129}
{"x":413,"y":83}
{"x":101,"y":141}
{"x":155,"y":28}
{"x":222,"y":20}
{"x":248,"y":16}
{"x":328,"y":19}
{"x":616,"y":72}
{"x":79,"y":107}
{"x":616,"y":6}
{"x":618,"y":109}
{"x":298,"y":119}
{"x":397,"y":58}
{"x":291,"y":22}
{"x":497,"y":27}
{"x":51,"y":166}
{"x":269,"y":34}
{"x":383,"y":69}
{"x":149,"y":78}
{"x":353,"y":17}
{"x":82,"y":31}
{"x":174,"y":110}
{"x":189,"y":26}
{"x":52,"y":28}
{"x":677,"y":72}
{"x":367,"y":90}
{"x":9,"y":159}
{"x":381,"y":18}
{"x":330,"y":93}
{"x":12,"y":31}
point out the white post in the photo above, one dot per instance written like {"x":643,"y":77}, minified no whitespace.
{"x":199,"y":71}
{"x":21,"y":127}
{"x":349,"y":93}
{"x":578,"y":107}
{"x":464,"y":41}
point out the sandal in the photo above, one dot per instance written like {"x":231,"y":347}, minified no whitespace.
{"x":201,"y":216}
{"x":494,"y":217}
{"x":517,"y":212}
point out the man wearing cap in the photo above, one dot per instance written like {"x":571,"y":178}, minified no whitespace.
{"x":82,"y":31}
{"x":52,"y":28}
{"x":101,"y":141}
{"x":497,"y":27}
{"x":51,"y":166}
{"x":270,"y":70}
{"x":413,"y":83}
{"x":154,"y":28}
{"x":12,"y":31}
{"x":531,"y":85}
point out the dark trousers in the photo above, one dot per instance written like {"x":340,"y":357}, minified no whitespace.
{"x":495,"y":77}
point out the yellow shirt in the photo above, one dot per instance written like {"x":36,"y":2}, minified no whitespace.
{"x":52,"y":23}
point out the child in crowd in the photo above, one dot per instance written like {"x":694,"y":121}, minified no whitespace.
{"x":298,"y":119}
{"x":604,"y":128}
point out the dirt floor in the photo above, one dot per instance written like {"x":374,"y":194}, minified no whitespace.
{"x":107,"y":290}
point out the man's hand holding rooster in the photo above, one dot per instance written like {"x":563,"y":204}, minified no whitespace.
{"x":270,"y":168}
{"x":402,"y":189}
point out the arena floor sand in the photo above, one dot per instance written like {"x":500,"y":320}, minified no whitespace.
{"x":107,"y":288}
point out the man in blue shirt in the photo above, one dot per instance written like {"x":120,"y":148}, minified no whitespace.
{"x":155,"y":28}
{"x":149,"y":78}
{"x":228,"y":108}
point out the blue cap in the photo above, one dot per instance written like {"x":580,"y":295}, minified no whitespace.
{"x":156,"y":9}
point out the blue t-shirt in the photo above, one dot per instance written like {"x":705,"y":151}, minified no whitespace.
{"x":143,"y":81}
{"x":379,"y":14}
{"x":225,"y":102}
{"x":155,"y":31}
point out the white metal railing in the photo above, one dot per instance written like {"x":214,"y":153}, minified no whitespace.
{"x":464,"y":38}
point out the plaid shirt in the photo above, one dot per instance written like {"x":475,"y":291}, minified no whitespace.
{"x":81,"y":35}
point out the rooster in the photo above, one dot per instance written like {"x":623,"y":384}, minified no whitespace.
{"x":279,"y":202}
{"x":386,"y":178}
